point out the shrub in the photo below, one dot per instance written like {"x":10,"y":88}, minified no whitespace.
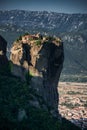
{"x":26,"y":34}
{"x":14,"y":95}
{"x":85,"y":105}
{"x":73,"y":93}
{"x":19,"y":38}
{"x":38,"y":42}
{"x":50,"y":38}
{"x":28,"y":77}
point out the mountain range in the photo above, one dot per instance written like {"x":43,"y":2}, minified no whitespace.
{"x":45,"y":21}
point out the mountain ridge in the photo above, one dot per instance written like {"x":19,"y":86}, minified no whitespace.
{"x":44,"y":20}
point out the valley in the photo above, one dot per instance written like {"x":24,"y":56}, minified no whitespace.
{"x":73,"y":102}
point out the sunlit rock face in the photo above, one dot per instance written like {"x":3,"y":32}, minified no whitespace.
{"x":39,"y":60}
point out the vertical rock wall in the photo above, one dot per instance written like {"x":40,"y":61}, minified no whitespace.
{"x":44,"y":62}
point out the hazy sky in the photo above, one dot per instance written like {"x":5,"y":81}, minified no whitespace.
{"x":64,"y":6}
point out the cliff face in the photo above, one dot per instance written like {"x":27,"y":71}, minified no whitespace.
{"x":39,"y":60}
{"x":3,"y":58}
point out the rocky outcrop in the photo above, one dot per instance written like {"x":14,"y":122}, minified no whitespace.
{"x":39,"y":60}
{"x":3,"y":58}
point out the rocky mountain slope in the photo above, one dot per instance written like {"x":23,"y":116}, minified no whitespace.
{"x":75,"y":50}
{"x":21,"y":106}
{"x":35,"y":20}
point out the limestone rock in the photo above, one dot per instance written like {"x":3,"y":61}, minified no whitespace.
{"x":43,"y":61}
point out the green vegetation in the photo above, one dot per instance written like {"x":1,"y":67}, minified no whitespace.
{"x":10,"y":66}
{"x":26,"y":33}
{"x":38,"y":42}
{"x":31,"y":39}
{"x":28,"y":77}
{"x":73,"y":93}
{"x":50,"y":38}
{"x":73,"y":78}
{"x":15,"y":95}
{"x":85,"y":105}
{"x":19,"y":38}
{"x":70,"y":105}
